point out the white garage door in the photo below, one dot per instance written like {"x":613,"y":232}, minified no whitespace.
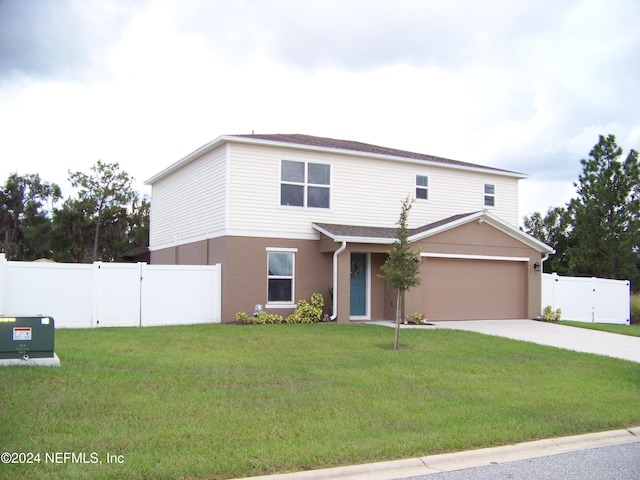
{"x":463,"y":289}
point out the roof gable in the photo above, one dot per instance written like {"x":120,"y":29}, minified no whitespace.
{"x":384,"y":235}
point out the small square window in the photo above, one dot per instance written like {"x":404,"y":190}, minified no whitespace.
{"x":292,"y":171}
{"x":292,"y":195}
{"x":318,"y":197}
{"x":319,"y":174}
{"x":422,"y":187}
{"x":489,"y":195}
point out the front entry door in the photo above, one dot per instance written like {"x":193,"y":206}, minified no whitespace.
{"x":359,"y":284}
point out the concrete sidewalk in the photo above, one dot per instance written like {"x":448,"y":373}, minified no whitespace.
{"x":544,"y":333}
{"x":448,"y":462}
{"x":555,"y":335}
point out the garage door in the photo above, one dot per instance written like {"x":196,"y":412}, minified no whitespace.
{"x":463,"y":289}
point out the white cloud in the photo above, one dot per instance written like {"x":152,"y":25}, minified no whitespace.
{"x":526,"y":86}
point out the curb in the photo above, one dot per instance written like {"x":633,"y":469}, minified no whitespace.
{"x":447,"y":462}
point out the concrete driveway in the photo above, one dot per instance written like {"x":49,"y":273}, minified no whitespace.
{"x":552,"y":334}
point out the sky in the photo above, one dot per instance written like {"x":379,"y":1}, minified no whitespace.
{"x":526,"y":86}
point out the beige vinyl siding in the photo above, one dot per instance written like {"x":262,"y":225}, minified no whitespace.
{"x":254,"y":187}
{"x":364,"y":191}
{"x":455,"y":192}
{"x":190,"y":203}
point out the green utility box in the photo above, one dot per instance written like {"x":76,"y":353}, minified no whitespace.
{"x":26,"y":337}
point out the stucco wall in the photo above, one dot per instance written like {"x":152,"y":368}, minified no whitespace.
{"x":244,"y":268}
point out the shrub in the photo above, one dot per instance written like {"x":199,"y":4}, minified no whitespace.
{"x":308,"y":313}
{"x":550,"y":316}
{"x":261,"y":319}
{"x":419,"y":318}
{"x":635,"y":308}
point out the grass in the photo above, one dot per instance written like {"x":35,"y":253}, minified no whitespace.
{"x":224,"y":401}
{"x":635,"y":308}
{"x":631,"y":330}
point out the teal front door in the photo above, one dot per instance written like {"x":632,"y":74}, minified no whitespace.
{"x":359,"y":284}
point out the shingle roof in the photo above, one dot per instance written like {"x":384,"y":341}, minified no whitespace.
{"x":384,"y":235}
{"x":348,"y":145}
{"x":328,"y":144}
{"x":355,"y":231}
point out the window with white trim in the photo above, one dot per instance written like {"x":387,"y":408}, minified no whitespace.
{"x":280,"y":276}
{"x":305,"y":184}
{"x":422,"y":187}
{"x":489,"y":195}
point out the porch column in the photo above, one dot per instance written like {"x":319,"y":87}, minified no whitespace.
{"x":344,"y":287}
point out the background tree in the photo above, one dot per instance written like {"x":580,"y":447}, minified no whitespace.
{"x":138,"y":221}
{"x":25,"y":221}
{"x":554,"y":229}
{"x":73,"y":230}
{"x":598,"y":234}
{"x":401,"y":270}
{"x":107,"y":192}
{"x":605,"y":215}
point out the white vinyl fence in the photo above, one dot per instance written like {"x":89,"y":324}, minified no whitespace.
{"x":595,"y":300}
{"x":111,"y":294}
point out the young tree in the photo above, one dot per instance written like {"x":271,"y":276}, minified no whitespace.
{"x":402,"y":267}
{"x":108,"y":191}
{"x":605,"y":215}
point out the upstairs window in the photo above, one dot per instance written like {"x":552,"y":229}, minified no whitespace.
{"x":422,"y":187}
{"x":489,"y":195}
{"x":305,"y":184}
{"x":280,"y":278}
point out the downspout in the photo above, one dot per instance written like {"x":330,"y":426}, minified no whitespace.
{"x":542,"y":260}
{"x":335,"y":279}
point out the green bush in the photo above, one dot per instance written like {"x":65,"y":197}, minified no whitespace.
{"x":635,"y":308}
{"x":419,"y":318}
{"x":261,"y":319}
{"x":308,"y":313}
{"x":550,"y":316}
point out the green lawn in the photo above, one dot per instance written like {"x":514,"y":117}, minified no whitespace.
{"x":222,"y":401}
{"x":632,"y":330}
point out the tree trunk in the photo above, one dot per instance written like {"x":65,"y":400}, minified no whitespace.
{"x":96,"y":234}
{"x":396,"y":344}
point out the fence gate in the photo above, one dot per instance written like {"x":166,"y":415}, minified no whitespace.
{"x":118,"y":289}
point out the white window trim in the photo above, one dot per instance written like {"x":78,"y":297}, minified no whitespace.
{"x":495,"y":195}
{"x":427,"y":188}
{"x":462,"y":256}
{"x":305,"y":184}
{"x":292,"y":303}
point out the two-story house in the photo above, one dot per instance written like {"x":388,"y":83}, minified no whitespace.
{"x":289,"y":215}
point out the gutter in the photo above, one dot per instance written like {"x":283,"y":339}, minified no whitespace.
{"x":342,"y":248}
